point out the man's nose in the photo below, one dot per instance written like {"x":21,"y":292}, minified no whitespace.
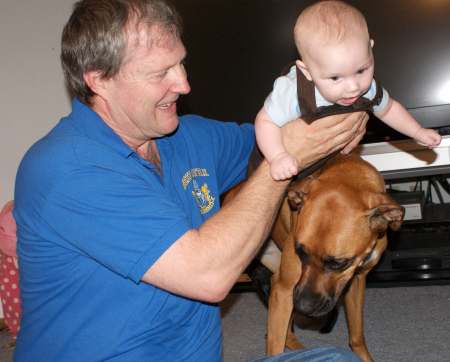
{"x":181,"y":84}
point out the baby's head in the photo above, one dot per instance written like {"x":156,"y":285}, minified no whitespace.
{"x":334,"y":44}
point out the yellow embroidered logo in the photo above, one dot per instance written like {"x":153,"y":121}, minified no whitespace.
{"x":204,"y":200}
{"x":193,"y":173}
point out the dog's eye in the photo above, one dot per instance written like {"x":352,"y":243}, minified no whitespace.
{"x":337,"y":265}
{"x":302,"y":253}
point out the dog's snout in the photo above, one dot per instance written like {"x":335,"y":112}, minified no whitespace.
{"x":311,"y":304}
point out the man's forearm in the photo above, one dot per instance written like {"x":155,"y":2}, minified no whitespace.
{"x":245,"y":222}
{"x":205,"y":263}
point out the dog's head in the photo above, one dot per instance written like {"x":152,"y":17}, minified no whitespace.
{"x":340,"y":229}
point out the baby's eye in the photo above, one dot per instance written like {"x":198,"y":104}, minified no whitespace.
{"x":361,"y":71}
{"x":335,"y":78}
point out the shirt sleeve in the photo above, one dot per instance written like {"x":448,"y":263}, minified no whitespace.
{"x":222,"y":148}
{"x":233,"y":145}
{"x":282,"y":105}
{"x":371,"y":95}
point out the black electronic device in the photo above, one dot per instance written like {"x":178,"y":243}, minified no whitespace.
{"x":419,"y":252}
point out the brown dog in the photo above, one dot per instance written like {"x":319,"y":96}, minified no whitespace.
{"x":331,"y":229}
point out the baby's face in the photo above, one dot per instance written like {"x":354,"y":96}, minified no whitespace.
{"x":341,"y":73}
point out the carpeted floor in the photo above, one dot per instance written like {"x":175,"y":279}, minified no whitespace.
{"x":402,"y":324}
{"x":6,"y":356}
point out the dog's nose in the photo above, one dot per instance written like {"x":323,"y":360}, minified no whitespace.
{"x":312,"y":304}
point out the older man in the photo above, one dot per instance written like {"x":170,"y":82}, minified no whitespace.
{"x":123,"y":250}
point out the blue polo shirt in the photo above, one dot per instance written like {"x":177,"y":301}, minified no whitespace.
{"x":92,"y":217}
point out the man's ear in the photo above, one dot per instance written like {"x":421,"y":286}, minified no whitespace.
{"x":94,"y":81}
{"x":303,"y":69}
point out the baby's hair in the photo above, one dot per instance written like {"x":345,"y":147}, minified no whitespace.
{"x":328,"y":22}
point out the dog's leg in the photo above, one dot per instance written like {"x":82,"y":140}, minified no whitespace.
{"x":281,"y":303}
{"x":354,"y":304}
{"x":292,"y":342}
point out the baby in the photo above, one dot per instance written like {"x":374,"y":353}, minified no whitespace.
{"x":334,"y":75}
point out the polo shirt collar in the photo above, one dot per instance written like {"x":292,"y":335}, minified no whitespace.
{"x":97,"y":130}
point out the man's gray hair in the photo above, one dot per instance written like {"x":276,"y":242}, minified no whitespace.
{"x":96,"y":35}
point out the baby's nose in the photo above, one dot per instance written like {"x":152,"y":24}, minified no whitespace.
{"x":352,"y":86}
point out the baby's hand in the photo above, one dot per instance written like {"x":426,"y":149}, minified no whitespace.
{"x":283,"y":166}
{"x":429,"y":137}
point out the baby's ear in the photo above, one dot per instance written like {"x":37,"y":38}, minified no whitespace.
{"x":303,"y":69}
{"x":371,"y":43}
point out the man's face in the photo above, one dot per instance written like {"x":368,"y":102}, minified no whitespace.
{"x":341,"y":73}
{"x":141,"y":98}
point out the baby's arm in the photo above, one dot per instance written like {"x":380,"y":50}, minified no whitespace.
{"x":270,"y":141}
{"x":397,"y":117}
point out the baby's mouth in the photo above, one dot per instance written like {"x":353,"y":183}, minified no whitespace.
{"x":349,"y":101}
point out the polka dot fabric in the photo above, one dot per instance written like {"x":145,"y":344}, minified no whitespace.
{"x":9,"y":293}
{"x":9,"y":275}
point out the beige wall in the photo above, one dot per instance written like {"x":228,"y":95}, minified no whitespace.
{"x":33,"y":96}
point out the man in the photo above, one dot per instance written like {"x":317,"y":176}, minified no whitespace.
{"x":123,"y":250}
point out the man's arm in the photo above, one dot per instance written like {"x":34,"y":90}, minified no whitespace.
{"x":204,"y":264}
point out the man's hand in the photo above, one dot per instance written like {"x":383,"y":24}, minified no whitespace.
{"x":309,"y":143}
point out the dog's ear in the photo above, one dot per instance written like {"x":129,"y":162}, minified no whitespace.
{"x":386,"y":213}
{"x":295,"y":192}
